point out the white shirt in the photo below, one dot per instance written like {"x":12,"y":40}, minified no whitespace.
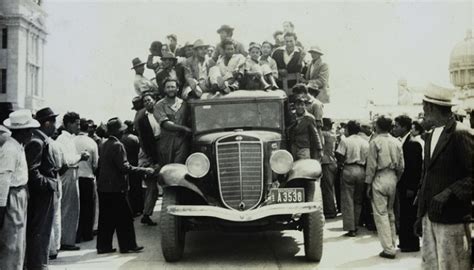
{"x":143,"y":84}
{"x":434,"y":138}
{"x":68,"y":146}
{"x":154,"y":124}
{"x":13,"y":168}
{"x":87,"y":167}
{"x":287,"y":57}
{"x":56,"y":153}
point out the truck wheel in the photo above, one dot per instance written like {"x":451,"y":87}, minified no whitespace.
{"x":171,"y":228}
{"x":313,"y":226}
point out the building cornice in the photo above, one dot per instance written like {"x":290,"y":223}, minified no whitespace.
{"x":23,"y":22}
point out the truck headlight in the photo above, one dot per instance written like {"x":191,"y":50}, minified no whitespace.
{"x":281,"y":161}
{"x":198,"y":165}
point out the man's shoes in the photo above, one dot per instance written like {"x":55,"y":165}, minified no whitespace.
{"x":350,"y":234}
{"x":385,"y":255}
{"x":330,"y":216}
{"x":105,"y":251}
{"x":53,"y":256}
{"x":132,"y":250}
{"x":69,"y":248}
{"x":147,"y":220}
{"x":411,"y":249}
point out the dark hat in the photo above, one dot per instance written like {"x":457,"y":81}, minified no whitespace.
{"x":169,"y":55}
{"x":173,"y":36}
{"x":115,"y":124}
{"x":327,"y":121}
{"x":45,"y":114}
{"x":137,"y":103}
{"x":136,"y":62}
{"x":226,"y":28}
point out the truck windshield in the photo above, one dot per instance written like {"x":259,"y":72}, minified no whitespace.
{"x":239,"y":115}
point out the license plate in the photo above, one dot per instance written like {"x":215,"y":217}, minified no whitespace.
{"x":287,"y":195}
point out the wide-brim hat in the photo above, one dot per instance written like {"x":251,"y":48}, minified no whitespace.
{"x":439,"y":95}
{"x":172,"y":36}
{"x":199,"y":44}
{"x":225,"y":27}
{"x":115,"y":124}
{"x":136,"y":62}
{"x":316,"y":49}
{"x":21,"y":119}
{"x":45,"y":114}
{"x":5,"y":131}
{"x":169,"y":55}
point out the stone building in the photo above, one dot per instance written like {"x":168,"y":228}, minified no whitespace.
{"x":461,"y":70}
{"x":22,"y":40}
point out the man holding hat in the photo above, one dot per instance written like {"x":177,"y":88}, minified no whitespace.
{"x":13,"y":191}
{"x":197,"y":71}
{"x":225,"y":33}
{"x":114,"y":209}
{"x":141,"y":83}
{"x":444,"y":198}
{"x":317,"y":73}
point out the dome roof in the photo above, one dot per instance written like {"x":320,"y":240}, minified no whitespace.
{"x":462,"y":55}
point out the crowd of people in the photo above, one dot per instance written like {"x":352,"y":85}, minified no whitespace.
{"x":202,"y":68}
{"x":403,"y":176}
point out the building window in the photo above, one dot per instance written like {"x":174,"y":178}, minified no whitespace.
{"x":3,"y":81}
{"x":4,"y":38}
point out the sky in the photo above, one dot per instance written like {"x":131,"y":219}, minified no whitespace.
{"x":368,"y":45}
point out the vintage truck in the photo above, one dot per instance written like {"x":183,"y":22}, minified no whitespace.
{"x":240,"y":176}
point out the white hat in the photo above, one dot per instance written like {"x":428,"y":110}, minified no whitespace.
{"x":316,"y":49}
{"x":439,"y":95}
{"x":5,"y":131}
{"x":21,"y":119}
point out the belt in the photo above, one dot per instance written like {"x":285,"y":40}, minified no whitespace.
{"x":351,"y":164}
{"x":18,"y":187}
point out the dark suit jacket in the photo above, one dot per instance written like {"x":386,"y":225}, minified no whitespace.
{"x":450,"y":168}
{"x":294,"y":66}
{"x":41,"y":170}
{"x":412,"y":155}
{"x":304,"y":134}
{"x":147,"y":139}
{"x":162,"y":74}
{"x":114,"y":167}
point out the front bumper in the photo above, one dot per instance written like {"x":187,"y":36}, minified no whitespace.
{"x":243,"y":216}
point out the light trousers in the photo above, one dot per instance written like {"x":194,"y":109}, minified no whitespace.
{"x":352,"y":195}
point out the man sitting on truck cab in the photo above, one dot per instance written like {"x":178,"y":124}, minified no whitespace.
{"x":225,"y":76}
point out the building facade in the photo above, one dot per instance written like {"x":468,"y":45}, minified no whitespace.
{"x":461,"y":70}
{"x":22,"y":40}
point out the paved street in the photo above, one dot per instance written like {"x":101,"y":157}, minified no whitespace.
{"x":271,"y":250}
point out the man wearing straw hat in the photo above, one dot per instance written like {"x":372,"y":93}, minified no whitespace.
{"x":13,"y":191}
{"x":444,"y":198}
{"x":197,"y":71}
{"x":317,"y":73}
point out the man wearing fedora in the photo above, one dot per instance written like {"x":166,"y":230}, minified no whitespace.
{"x":170,"y":69}
{"x":141,"y":83}
{"x":115,"y":214}
{"x":197,"y":71}
{"x":70,"y":203}
{"x":317,"y":73}
{"x":225,"y":33}
{"x":42,"y":202}
{"x":13,"y":190}
{"x":444,"y":198}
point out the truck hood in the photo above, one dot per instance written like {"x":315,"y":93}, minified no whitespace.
{"x":265,"y":136}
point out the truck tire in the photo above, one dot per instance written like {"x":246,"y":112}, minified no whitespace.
{"x":313,"y":227}
{"x":171,"y":228}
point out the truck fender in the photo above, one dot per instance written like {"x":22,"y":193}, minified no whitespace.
{"x":173,"y":175}
{"x":309,"y":169}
